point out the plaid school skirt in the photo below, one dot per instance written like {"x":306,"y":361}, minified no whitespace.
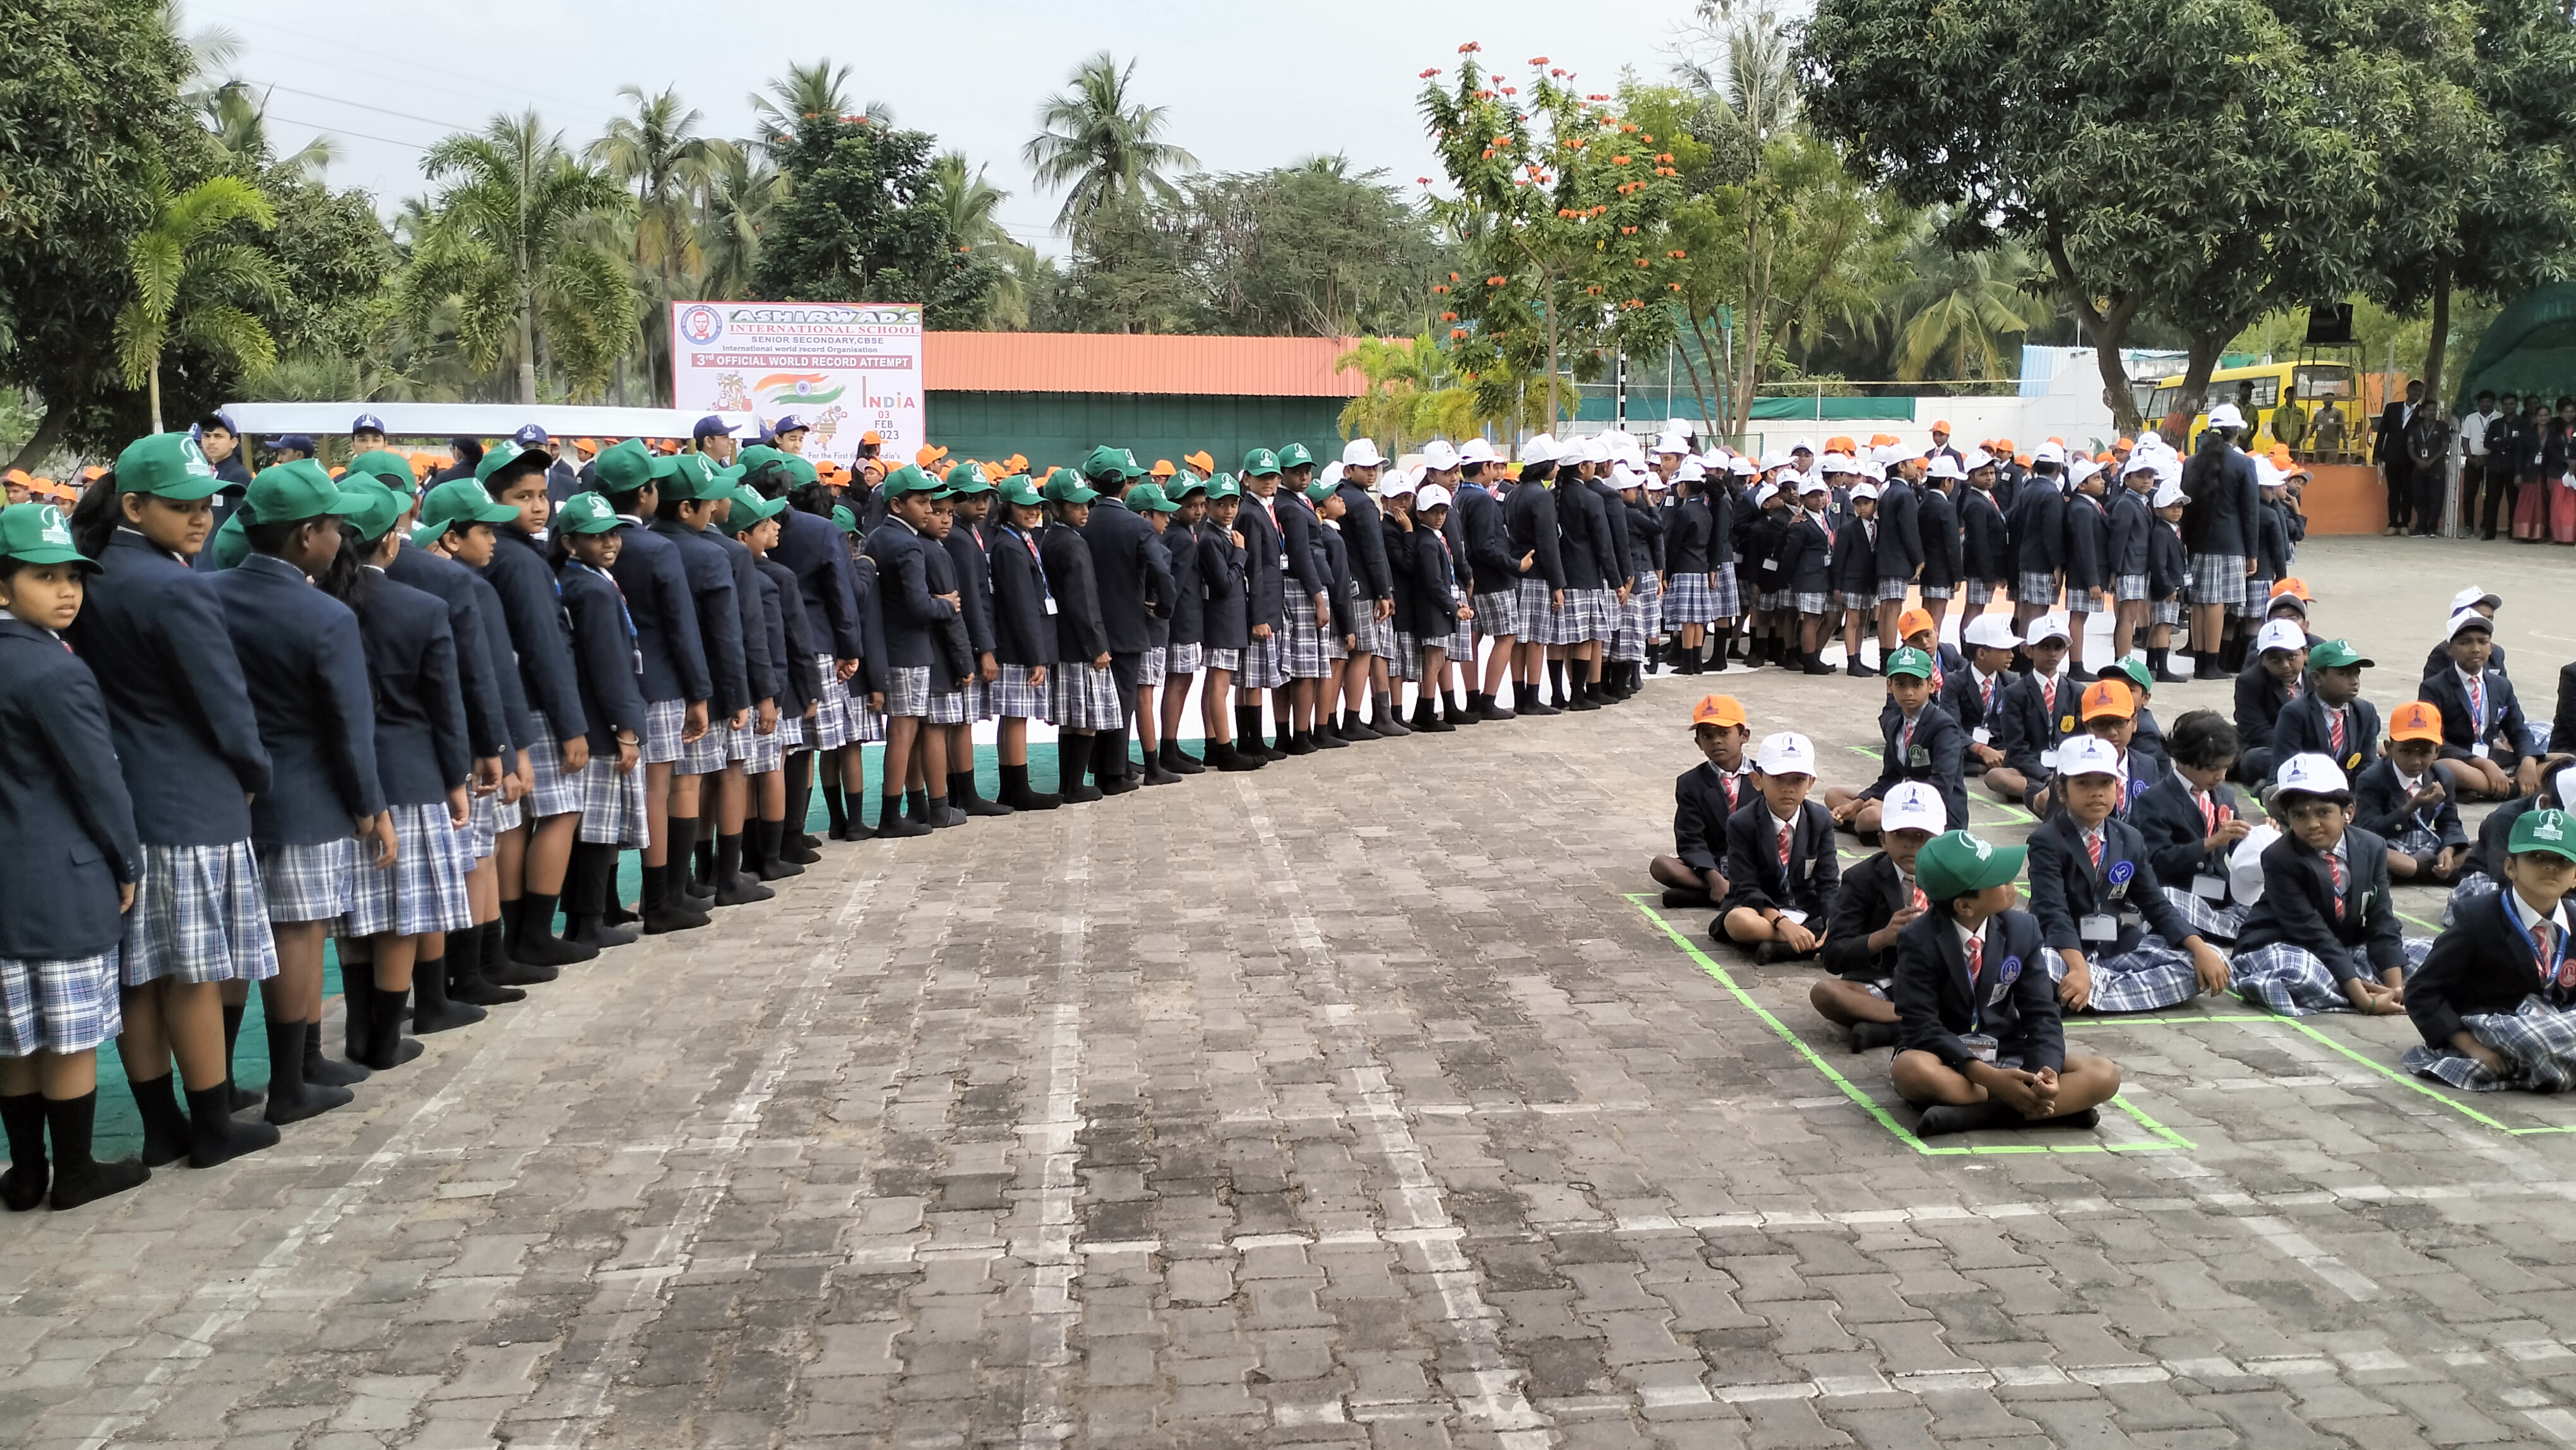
{"x":1181,"y":661}
{"x":867,"y":727}
{"x":199,"y":915}
{"x":831,"y":724}
{"x":69,"y":1005}
{"x":1015,"y":698}
{"x":1938,"y":591}
{"x":551,"y":792}
{"x":2033,"y":588}
{"x":313,"y":881}
{"x":1305,"y":651}
{"x":1228,"y":660}
{"x":1596,"y":615}
{"x":1812,"y":603}
{"x":663,"y":721}
{"x":425,"y":890}
{"x":2153,"y":976}
{"x":1462,"y":644}
{"x":2210,"y":920}
{"x":908,"y":691}
{"x":706,"y":754}
{"x":2292,"y":982}
{"x":485,"y":819}
{"x":1865,"y":603}
{"x":2169,"y":611}
{"x":1152,"y":665}
{"x":612,"y":805}
{"x":2129,"y":588}
{"x":1499,"y":613}
{"x":2218,"y":579}
{"x":1376,"y":636}
{"x":1405,"y":663}
{"x":1644,"y":615}
{"x":1691,"y":600}
{"x":1892,"y":591}
{"x":1983,"y":590}
{"x":1540,"y":621}
{"x":2537,"y":1041}
{"x":757,"y":752}
{"x":792,"y":735}
{"x":2472,"y":888}
{"x":951,"y":707}
{"x":1264,"y":667}
{"x":1082,"y":698}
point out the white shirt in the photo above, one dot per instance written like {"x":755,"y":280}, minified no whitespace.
{"x":1966,"y":935}
{"x":2524,"y":917}
{"x":2473,"y":432}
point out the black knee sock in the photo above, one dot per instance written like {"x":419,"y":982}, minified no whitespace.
{"x":165,"y":1128}
{"x":72,"y":1121}
{"x":728,"y":859}
{"x":800,"y":787}
{"x":1556,"y":679}
{"x":536,"y":916}
{"x":684,"y":840}
{"x":706,"y":853}
{"x":832,"y":805}
{"x":23,"y":1116}
{"x":916,"y":804}
{"x":493,"y":949}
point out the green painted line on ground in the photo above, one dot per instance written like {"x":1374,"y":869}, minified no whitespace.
{"x":2013,"y":814}
{"x":2166,"y":1138}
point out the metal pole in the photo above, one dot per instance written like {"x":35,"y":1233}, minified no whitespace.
{"x":1619,"y":377}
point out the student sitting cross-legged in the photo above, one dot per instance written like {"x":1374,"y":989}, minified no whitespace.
{"x":1981,"y":1042}
{"x":2482,"y":871}
{"x":1705,"y":798}
{"x":1876,"y":901}
{"x":1780,"y":864}
{"x":2117,"y":944}
{"x":2191,"y":824}
{"x":2405,"y":801}
{"x":2324,"y":936}
{"x":2494,"y":996}
{"x":1919,"y":740}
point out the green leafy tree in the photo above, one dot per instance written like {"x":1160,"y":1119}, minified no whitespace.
{"x":804,"y":93}
{"x":1964,"y":316}
{"x":861,"y":222}
{"x":507,"y":245}
{"x":1312,"y":251}
{"x":742,"y":196}
{"x":1100,"y":147}
{"x":658,"y":156}
{"x":972,"y":205}
{"x":193,"y":283}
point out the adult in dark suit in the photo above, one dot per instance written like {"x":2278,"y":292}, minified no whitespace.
{"x":2388,"y":450}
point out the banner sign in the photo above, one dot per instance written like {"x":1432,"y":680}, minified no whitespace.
{"x":842,"y":368}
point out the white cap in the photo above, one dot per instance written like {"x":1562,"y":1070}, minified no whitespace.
{"x":2148,"y":437}
{"x":2470,"y":598}
{"x":1764,"y":494}
{"x":1803,"y":445}
{"x":2087,"y":755}
{"x":1394,"y":483}
{"x":1439,"y":454}
{"x":1811,"y":484}
{"x":1655,"y":484}
{"x":1476,"y":450}
{"x":2168,"y":492}
{"x":1743,"y":465}
{"x":2311,"y":772}
{"x":1332,"y":475}
{"x":1774,"y":459}
{"x":2048,"y":453}
{"x":1671,"y":443}
{"x":1361,"y":453}
{"x":1864,"y":489}
{"x":2245,"y":864}
{"x":1541,"y":449}
{"x":1992,"y":631}
{"x":1430,"y":497}
{"x":2051,"y":625}
{"x":1836,"y":463}
{"x":2226,"y":416}
{"x":1913,"y":805}
{"x":2565,"y":786}
{"x":1969,"y":462}
{"x":1691,"y":471}
{"x":1622,"y":476}
{"x":1877,"y":470}
{"x":1787,"y":753}
{"x":2267,"y":476}
{"x":2284,"y":634}
{"x":1679,"y":427}
{"x":1945,"y":466}
{"x":2460,"y":621}
{"x":2083,"y":469}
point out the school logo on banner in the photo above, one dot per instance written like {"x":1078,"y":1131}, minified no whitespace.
{"x":701,"y":324}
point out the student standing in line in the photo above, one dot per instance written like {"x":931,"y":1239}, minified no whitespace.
{"x":1084,"y":695}
{"x":588,"y":537}
{"x":1531,"y":534}
{"x":1872,"y":905}
{"x":1221,"y":581}
{"x":754,"y":521}
{"x":653,"y":578}
{"x":915,"y":667}
{"x":1364,"y":677}
{"x":721,"y":858}
{"x":1310,"y":602}
{"x":1024,"y":641}
{"x":969,"y":544}
{"x":1937,"y":524}
{"x":2084,"y":551}
{"x":1147,"y":501}
{"x":686,"y":500}
{"x":67,"y":826}
{"x":1185,"y":637}
{"x":187,"y":746}
{"x":1341,"y":634}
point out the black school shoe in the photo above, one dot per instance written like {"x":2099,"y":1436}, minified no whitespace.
{"x":1943,"y":1118}
{"x":1868,"y":1035}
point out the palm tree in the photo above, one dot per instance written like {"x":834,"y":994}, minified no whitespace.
{"x":1104,"y":150}
{"x":1394,"y":380}
{"x":1966,"y":315}
{"x":741,"y":194}
{"x":820,"y":89}
{"x":239,"y":121}
{"x":656,"y":153}
{"x":506,"y":242}
{"x":192,"y":285}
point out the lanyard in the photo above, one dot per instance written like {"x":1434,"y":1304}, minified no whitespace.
{"x":1037,"y":565}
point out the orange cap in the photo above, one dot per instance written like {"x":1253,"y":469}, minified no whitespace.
{"x":872,"y":436}
{"x":1162,"y":468}
{"x":2123,"y":443}
{"x":2415,"y":720}
{"x":1913,"y":622}
{"x":1200,"y":461}
{"x":2295,"y":588}
{"x":2000,"y":445}
{"x":1882,"y":440}
{"x":1940,"y":425}
{"x":2109,"y":697}
{"x":2022,"y":458}
{"x":928,"y":454}
{"x":1718,"y":710}
{"x":93,"y":471}
{"x":18,"y":476}
{"x":1841,"y":443}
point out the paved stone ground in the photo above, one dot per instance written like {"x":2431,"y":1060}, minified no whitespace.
{"x":1351,"y":1103}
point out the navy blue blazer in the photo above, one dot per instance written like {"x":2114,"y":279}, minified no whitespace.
{"x":1855,"y":565}
{"x":1023,"y":631}
{"x":760,"y":667}
{"x":1690,"y":539}
{"x":1704,"y":800}
{"x":1754,"y":876}
{"x":2260,"y":698}
{"x":912,"y":612}
{"x":1491,"y":565}
{"x":2440,"y":660}
{"x":487,"y":719}
{"x":1806,"y":556}
{"x":2037,"y":529}
{"x":1936,"y":527}
{"x":520,"y":573}
{"x":1529,"y":527}
{"x":2226,"y":501}
{"x":1360,"y":531}
{"x":65,"y":819}
{"x":2133,"y":530}
{"x":2168,"y":562}
{"x":2011,"y":998}
{"x":810,"y":547}
{"x":2484,"y":963}
{"x":1869,"y":897}
{"x":603,"y":642}
{"x":1612,"y":541}
{"x":1227,"y":623}
{"x":1265,"y":585}
{"x":2298,"y":905}
{"x":970,"y":555}
{"x":422,"y":750}
{"x":1306,"y":567}
{"x":1337,"y":569}
{"x":1080,"y":633}
{"x":2065,"y":888}
{"x":2085,"y":544}
{"x":655,"y":577}
{"x":505,"y":661}
{"x":1180,"y":546}
{"x":1900,"y":531}
{"x":709,"y":573}
{"x":871,"y":678}
{"x":152,"y":630}
{"x":2030,"y":724}
{"x":1985,"y":547}
{"x":307,"y":669}
{"x":1937,"y":755}
{"x":2381,"y":806}
{"x":2302,"y":726}
{"x":1119,"y":573}
{"x":2503,"y":731}
{"x":2176,"y":832}
{"x":1581,"y":526}
{"x":1965,"y":698}
{"x":789,"y":635}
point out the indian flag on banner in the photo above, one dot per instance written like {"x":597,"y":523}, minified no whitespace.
{"x":803,"y":389}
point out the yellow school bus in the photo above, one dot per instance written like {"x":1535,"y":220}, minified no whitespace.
{"x":2322,"y":419}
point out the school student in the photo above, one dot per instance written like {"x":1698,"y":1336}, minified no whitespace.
{"x":2144,"y":748}
{"x":2483,"y":733}
{"x":917,"y":666}
{"x":810,"y":548}
{"x":1937,"y":524}
{"x":1985,"y":545}
{"x":2510,"y":948}
{"x":1806,"y":547}
{"x":1705,"y":798}
{"x":1919,"y":740}
{"x":2168,"y":576}
{"x":1266,"y":563}
{"x":652,"y":575}
{"x":2085,"y":553}
{"x":2482,"y":870}
{"x":1780,"y":857}
{"x":75,"y":861}
{"x":1433,"y":607}
{"x":2277,"y":676}
{"x":2130,"y":557}
{"x":969,"y":544}
{"x":687,"y":497}
{"x":2038,"y":713}
{"x":1364,"y":674}
{"x":756,"y":739}
{"x":2324,"y":936}
{"x":1533,"y":538}
{"x":1873,"y":905}
{"x":1024,"y":640}
{"x":305,"y":663}
{"x":1227,"y":625}
{"x":589,"y":536}
{"x":1313,"y":595}
{"x":2403,"y":800}
{"x":1980,"y":688}
{"x":1693,"y":548}
{"x":1980,"y":1040}
{"x":1855,"y":575}
{"x":2329,"y":717}
{"x":1147,"y":501}
{"x":754,"y":521}
{"x":395,"y":933}
{"x":1082,"y":693}
{"x":2117,"y":944}
{"x":187,"y":746}
{"x":2192,"y":824}
{"x":1341,"y":631}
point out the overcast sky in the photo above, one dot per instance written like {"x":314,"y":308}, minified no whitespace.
{"x":1247,"y":85}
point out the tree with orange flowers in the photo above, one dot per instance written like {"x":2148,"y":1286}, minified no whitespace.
{"x":1563,"y":209}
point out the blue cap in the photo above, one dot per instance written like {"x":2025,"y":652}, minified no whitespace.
{"x":711,"y":426}
{"x":787,"y":423}
{"x":300,"y":441}
{"x":226,"y":419}
{"x":367,"y":423}
{"x":529,"y":436}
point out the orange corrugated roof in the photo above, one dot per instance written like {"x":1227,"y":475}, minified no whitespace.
{"x":1088,"y":362}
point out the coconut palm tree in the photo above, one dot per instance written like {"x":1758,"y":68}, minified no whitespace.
{"x":1966,"y":315}
{"x":820,"y":89}
{"x":1099,"y":147}
{"x":508,"y":243}
{"x":741,"y":195}
{"x":195,"y":286}
{"x":239,"y":119}
{"x":657,"y":154}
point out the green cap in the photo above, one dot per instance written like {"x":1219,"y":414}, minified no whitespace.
{"x":2550,"y":831}
{"x":907,"y":479}
{"x":1908,"y":661}
{"x":462,"y":501}
{"x":1017,"y":489}
{"x":587,"y":513}
{"x":1065,"y":486}
{"x":1318,"y":491}
{"x":1108,"y":462}
{"x":844,"y":520}
{"x":494,"y":459}
{"x":424,"y":535}
{"x":2336,"y":654}
{"x":167,"y":465}
{"x":2140,"y":673}
{"x":1148,"y":497}
{"x":622,"y":468}
{"x":1959,"y":862}
{"x":231,"y":543}
{"x":800,"y":472}
{"x":386,"y":466}
{"x":379,"y":508}
{"x":37,"y":533}
{"x":967,"y":478}
{"x":1260,"y":461}
{"x":759,"y":455}
{"x":686,"y":477}
{"x":293,"y":492}
{"x":1181,"y":485}
{"x":750,"y":508}
{"x":1222,"y":485}
{"x":1294,"y":456}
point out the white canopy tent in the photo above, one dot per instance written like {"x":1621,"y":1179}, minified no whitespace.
{"x":442,"y":421}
